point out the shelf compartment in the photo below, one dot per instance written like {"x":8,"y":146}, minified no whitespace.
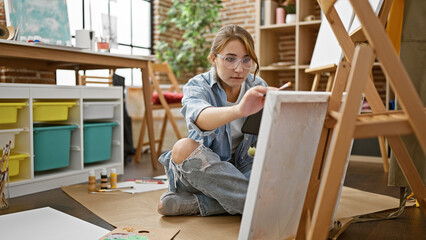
{"x":52,"y":146}
{"x":98,"y":110}
{"x":278,"y":78}
{"x":278,"y":47}
{"x":97,"y":141}
{"x":51,"y":111}
{"x":7,"y":135}
{"x":9,"y":111}
{"x":14,"y":162}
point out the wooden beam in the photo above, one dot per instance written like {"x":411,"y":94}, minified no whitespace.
{"x":326,"y":5}
{"x":322,"y":69}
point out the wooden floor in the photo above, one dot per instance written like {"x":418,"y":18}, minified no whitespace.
{"x":364,"y":176}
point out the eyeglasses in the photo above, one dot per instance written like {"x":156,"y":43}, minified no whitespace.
{"x":232,"y":62}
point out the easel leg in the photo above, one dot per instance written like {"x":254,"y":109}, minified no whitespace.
{"x":384,"y":153}
{"x":316,"y":82}
{"x":330,"y":82}
{"x":341,"y":141}
{"x":409,"y":170}
{"x":324,"y":143}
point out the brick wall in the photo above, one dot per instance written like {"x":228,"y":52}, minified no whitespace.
{"x":2,"y":13}
{"x":241,"y":12}
{"x":160,"y":14}
{"x":9,"y":75}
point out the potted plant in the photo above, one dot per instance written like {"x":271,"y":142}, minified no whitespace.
{"x":195,"y":20}
{"x":290,"y":10}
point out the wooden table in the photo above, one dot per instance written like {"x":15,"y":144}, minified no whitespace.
{"x":51,"y":57}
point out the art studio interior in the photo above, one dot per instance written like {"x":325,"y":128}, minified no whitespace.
{"x":212,"y":119}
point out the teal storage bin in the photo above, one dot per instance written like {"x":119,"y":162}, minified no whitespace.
{"x":97,"y":141}
{"x":52,"y":146}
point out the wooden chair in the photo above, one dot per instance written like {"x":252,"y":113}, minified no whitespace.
{"x":82,"y":79}
{"x":161,"y":101}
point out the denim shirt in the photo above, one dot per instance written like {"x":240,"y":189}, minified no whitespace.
{"x":204,"y":91}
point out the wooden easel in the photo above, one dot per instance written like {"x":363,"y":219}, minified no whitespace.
{"x":331,"y":71}
{"x":318,"y":72}
{"x":334,"y":144}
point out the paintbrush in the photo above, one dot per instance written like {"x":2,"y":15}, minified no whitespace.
{"x":286,"y":85}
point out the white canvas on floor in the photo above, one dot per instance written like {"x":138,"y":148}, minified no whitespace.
{"x":47,"y":224}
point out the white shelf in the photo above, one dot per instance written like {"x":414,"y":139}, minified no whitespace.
{"x":28,"y":181}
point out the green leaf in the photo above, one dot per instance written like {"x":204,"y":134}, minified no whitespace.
{"x":195,"y":19}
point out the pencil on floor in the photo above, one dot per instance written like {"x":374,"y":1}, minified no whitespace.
{"x":118,"y":188}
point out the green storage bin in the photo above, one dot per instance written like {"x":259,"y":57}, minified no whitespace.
{"x":97,"y":141}
{"x":52,"y":146}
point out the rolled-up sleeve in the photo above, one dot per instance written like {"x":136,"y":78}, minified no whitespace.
{"x":195,"y":100}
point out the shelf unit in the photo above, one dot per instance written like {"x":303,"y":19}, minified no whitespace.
{"x":29,"y":181}
{"x":294,"y":43}
{"x":290,"y":43}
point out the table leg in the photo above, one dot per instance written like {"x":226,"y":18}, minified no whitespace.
{"x":146,"y":87}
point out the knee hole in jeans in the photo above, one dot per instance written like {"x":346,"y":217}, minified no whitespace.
{"x":182,"y":149}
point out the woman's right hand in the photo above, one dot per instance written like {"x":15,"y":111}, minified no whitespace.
{"x":253,"y":101}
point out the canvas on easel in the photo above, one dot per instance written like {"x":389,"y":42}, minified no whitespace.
{"x":327,"y":53}
{"x":288,"y":138}
{"x":327,"y":50}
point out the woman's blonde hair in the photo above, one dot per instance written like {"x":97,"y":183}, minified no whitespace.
{"x":234,"y":32}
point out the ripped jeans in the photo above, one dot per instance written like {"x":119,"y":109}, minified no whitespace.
{"x":219,"y":186}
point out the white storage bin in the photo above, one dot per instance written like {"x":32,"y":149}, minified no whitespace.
{"x":98,"y":110}
{"x":8,"y":134}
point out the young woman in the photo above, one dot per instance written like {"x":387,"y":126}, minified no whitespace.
{"x":209,"y":171}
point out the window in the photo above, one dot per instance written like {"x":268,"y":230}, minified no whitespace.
{"x":132,"y":20}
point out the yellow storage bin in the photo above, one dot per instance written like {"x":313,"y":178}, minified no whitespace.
{"x":14,"y":162}
{"x":9,"y":111}
{"x":51,"y":111}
